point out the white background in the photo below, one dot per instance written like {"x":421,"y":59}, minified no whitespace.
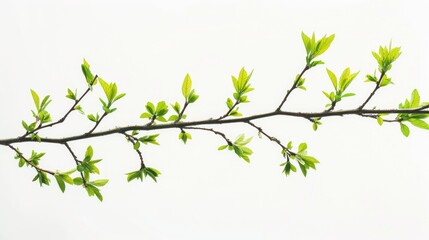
{"x":371,"y":182}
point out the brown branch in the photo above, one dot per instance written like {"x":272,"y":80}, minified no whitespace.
{"x":306,"y":115}
{"x":377,"y":86}
{"x":28,"y":161}
{"x":181,"y":112}
{"x":271,"y":138}
{"x":213,"y":131}
{"x":76,"y":161}
{"x":97,"y":123}
{"x":133,"y":140}
{"x":292,"y":88}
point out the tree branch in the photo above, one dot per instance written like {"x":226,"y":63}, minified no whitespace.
{"x":306,"y":115}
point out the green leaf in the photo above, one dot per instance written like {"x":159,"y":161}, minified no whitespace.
{"x":91,"y":117}
{"x":222,"y":147}
{"x":302,"y":147}
{"x":307,"y":42}
{"x":60,"y":182}
{"x":161,"y":108}
{"x":415,"y":99}
{"x":348,"y":95}
{"x":303,"y":169}
{"x":146,"y":115}
{"x":78,"y":181}
{"x":136,"y":145}
{"x":173,"y":118}
{"x":380,"y":120}
{"x":87,"y":72}
{"x":176,"y":107}
{"x":36,"y":99}
{"x":99,"y":182}
{"x":193,"y":97}
{"x":229,"y":103}
{"x":70,"y":94}
{"x":405,"y":130}
{"x":289,"y":145}
{"x":150,"y":108}
{"x":186,"y":86}
{"x":89,"y":152}
{"x":333,"y":78}
{"x":419,"y":123}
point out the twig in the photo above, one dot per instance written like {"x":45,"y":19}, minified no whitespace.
{"x":133,"y":140}
{"x":213,"y":131}
{"x":292,"y":88}
{"x":65,"y":115}
{"x":377,"y":86}
{"x":76,"y":161}
{"x":28,"y":161}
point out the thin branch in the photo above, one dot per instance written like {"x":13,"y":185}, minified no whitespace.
{"x":61,"y":120}
{"x":292,"y":88}
{"x":28,"y":161}
{"x":76,"y":161}
{"x":97,"y":123}
{"x":306,"y":115}
{"x":377,"y":86}
{"x":133,"y":140}
{"x":213,"y":131}
{"x":181,"y":112}
{"x":229,"y":111}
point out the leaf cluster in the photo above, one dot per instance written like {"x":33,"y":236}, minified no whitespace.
{"x":142,"y":173}
{"x":340,"y":85}
{"x":155,"y":113}
{"x":239,"y":147}
{"x":304,"y":161}
{"x":415,"y":119}
{"x":315,"y":48}
{"x":242,"y":87}
{"x":386,"y":56}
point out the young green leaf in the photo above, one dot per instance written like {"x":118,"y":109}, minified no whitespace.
{"x":60,"y":182}
{"x":405,"y":130}
{"x":186,"y":86}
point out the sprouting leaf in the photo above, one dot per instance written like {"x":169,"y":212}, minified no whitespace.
{"x":302,"y":147}
{"x":419,"y":123}
{"x":380,"y":120}
{"x":78,"y":181}
{"x":87,"y":72}
{"x":222,"y":147}
{"x":186,"y":86}
{"x":60,"y":182}
{"x":99,"y":182}
{"x":405,"y":130}
{"x":71,"y":94}
{"x":333,"y":78}
{"x":88,"y":154}
{"x":36,"y":99}
{"x":415,"y":99}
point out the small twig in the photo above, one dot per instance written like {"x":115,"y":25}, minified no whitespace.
{"x":377,"y":86}
{"x":271,"y":138}
{"x":65,"y":115}
{"x":133,"y":140}
{"x":28,"y":161}
{"x":76,"y":161}
{"x":97,"y":123}
{"x":292,"y":88}
{"x":182,"y":112}
{"x":229,"y":111}
{"x":213,"y":131}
